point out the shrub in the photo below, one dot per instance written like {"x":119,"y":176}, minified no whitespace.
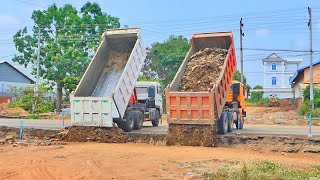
{"x":305,"y":109}
{"x":26,"y":102}
{"x":33,"y":116}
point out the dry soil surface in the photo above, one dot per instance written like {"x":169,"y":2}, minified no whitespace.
{"x":274,"y":116}
{"x":129,"y":161}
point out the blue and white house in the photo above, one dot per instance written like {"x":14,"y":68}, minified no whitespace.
{"x":11,"y":76}
{"x":278,"y":74}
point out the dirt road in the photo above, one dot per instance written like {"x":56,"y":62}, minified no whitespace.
{"x":129,"y":161}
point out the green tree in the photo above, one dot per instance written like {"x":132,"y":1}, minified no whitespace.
{"x":257,"y":95}
{"x":164,"y":59}
{"x":68,"y":39}
{"x":237,"y":76}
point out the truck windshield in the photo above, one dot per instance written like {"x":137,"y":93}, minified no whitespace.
{"x":142,"y":90}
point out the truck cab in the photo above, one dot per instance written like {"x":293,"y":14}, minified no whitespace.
{"x":145,"y":104}
{"x":145,"y":91}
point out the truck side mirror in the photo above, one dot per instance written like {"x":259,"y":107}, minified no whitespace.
{"x":152,"y":92}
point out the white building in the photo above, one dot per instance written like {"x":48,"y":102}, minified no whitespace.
{"x":278,"y":73}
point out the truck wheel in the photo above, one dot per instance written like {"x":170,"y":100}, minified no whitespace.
{"x":120,"y":124}
{"x":230,"y":121}
{"x":128,"y":125}
{"x":155,"y":122}
{"x":223,"y":124}
{"x":138,"y":120}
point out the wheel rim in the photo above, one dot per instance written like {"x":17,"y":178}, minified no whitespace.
{"x":226,"y":124}
{"x":141,"y":120}
{"x":131,"y":122}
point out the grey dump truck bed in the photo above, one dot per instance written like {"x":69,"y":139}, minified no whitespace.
{"x":110,"y":76}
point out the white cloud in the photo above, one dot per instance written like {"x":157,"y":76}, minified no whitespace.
{"x":262,"y":33}
{"x":8,"y":20}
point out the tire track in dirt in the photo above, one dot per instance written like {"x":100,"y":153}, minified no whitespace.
{"x":40,"y":170}
{"x":92,"y":169}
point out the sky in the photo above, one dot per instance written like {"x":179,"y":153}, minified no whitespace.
{"x":269,"y":25}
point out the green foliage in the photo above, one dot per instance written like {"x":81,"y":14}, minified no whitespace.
{"x":257,"y":97}
{"x":144,"y":78}
{"x":68,"y":37}
{"x":263,"y":101}
{"x":33,"y":116}
{"x":305,"y":109}
{"x":316,"y":92}
{"x":45,"y":106}
{"x":260,"y":170}
{"x":164,"y":59}
{"x":237,"y":76}
{"x":27,"y":100}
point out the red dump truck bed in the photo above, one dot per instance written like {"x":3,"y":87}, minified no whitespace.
{"x":202,"y":107}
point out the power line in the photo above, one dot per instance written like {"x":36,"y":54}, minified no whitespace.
{"x":29,"y":3}
{"x":275,"y":50}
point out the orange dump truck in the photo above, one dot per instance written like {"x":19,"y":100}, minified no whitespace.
{"x":212,"y":107}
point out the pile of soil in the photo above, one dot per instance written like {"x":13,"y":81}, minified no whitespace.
{"x":191,"y":135}
{"x":94,"y":134}
{"x":27,"y":133}
{"x":203,"y":69}
{"x":12,"y":112}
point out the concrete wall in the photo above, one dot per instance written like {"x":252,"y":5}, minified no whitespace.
{"x":316,"y":70}
{"x":291,"y":67}
{"x":298,"y":86}
{"x":280,"y":95}
{"x":5,"y":86}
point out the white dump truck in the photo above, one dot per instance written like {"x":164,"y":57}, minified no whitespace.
{"x":106,"y":93}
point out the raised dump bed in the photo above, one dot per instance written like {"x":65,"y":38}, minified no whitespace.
{"x":202,"y":107}
{"x":106,"y":86}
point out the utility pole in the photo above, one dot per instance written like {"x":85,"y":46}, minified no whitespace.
{"x":36,"y":89}
{"x":241,"y":50}
{"x":311,"y":61}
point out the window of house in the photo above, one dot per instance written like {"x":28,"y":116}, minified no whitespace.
{"x":274,"y":66}
{"x":274,"y":81}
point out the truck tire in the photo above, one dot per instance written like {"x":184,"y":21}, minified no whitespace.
{"x":223,"y":124}
{"x":138,"y":120}
{"x":128,"y":125}
{"x":230,"y":121}
{"x":120,"y":124}
{"x":155,"y":122}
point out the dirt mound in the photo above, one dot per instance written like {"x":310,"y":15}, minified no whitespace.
{"x":94,"y":134}
{"x":203,"y":69}
{"x":274,"y":115}
{"x":191,"y":135}
{"x":17,"y":111}
{"x":42,"y":137}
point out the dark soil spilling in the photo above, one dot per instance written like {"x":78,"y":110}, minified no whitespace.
{"x":203,"y":69}
{"x":94,"y":134}
{"x":191,"y":135}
